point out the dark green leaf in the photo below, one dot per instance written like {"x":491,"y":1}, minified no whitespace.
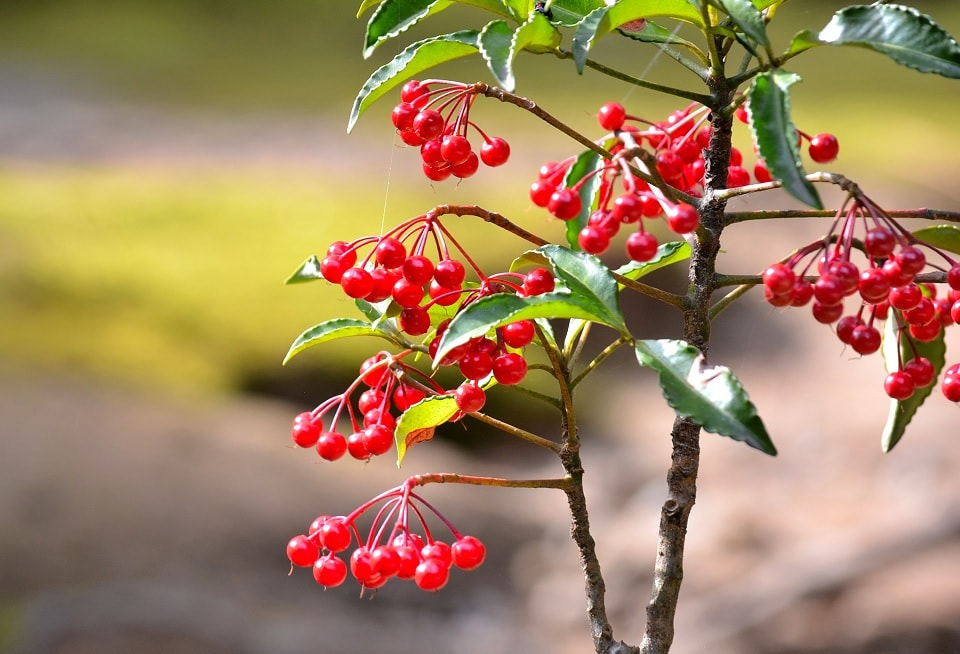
{"x":776,"y":138}
{"x":902,"y":33}
{"x":894,"y":350}
{"x":395,"y":16}
{"x":667,"y":255}
{"x":415,"y":58}
{"x":748,"y":18}
{"x":308,"y":272}
{"x":587,"y":163}
{"x":332,"y":330}
{"x":495,"y":48}
{"x":711,"y":396}
{"x":945,"y":237}
{"x":589,"y":279}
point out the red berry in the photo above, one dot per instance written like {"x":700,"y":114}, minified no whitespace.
{"x":430,"y":154}
{"x":845,"y":328}
{"x":779,"y":278}
{"x":905,"y":297}
{"x":373,"y":371}
{"x":879,"y":242}
{"x":628,"y":208}
{"x":449,"y":273}
{"x":343,"y":252}
{"x":541,"y":191}
{"x":538,"y":281}
{"x":383,"y":282}
{"x":468,"y":552}
{"x":641,"y":246}
{"x":669,"y":165}
{"x":302,"y":552}
{"x":611,"y":116}
{"x":899,"y":385}
{"x":415,"y":321}
{"x":335,"y":535}
{"x":379,"y":416}
{"x":356,"y":283}
{"x":332,"y":268}
{"x":436,"y":174}
{"x":428,"y":124}
{"x":331,"y":445}
{"x":953,"y":277}
{"x":476,"y":365}
{"x":828,"y":289}
{"x":390,"y":253}
{"x":403,"y":115}
{"x":921,"y":370}
{"x":406,"y":396}
{"x":466,"y":168}
{"x":509,"y":368}
{"x":329,"y":571}
{"x":761,"y":172}
{"x":737,"y":176}
{"x":418,"y":269}
{"x":455,"y":148}
{"x":409,"y":560}
{"x":437,"y":550}
{"x":683,"y":219}
{"x":518,"y":334}
{"x":306,"y":430}
{"x":361,"y":565}
{"x":565,"y":204}
{"x":443,"y":295}
{"x":593,"y":240}
{"x":911,"y":259}
{"x":827,"y":313}
{"x":469,"y":397}
{"x":865,"y":339}
{"x":385,"y":560}
{"x":356,"y":448}
{"x":406,"y":293}
{"x":824,"y":148}
{"x":432,"y":574}
{"x":412,"y":90}
{"x":495,"y":152}
{"x":802,"y":293}
{"x":927,"y":331}
{"x":847,"y":273}
{"x":411,"y":138}
{"x":873,"y":285}
{"x":950,"y":386}
{"x":921,"y":314}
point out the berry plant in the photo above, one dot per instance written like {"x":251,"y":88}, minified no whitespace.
{"x":636,"y":178}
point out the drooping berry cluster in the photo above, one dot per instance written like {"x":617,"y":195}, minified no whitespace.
{"x":394,"y":547}
{"x":885,"y":289}
{"x":434,"y":115}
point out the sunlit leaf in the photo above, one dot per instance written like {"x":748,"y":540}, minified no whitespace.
{"x":393,"y":17}
{"x":748,"y":18}
{"x":307,"y":272}
{"x":945,"y":237}
{"x":667,"y":254}
{"x":332,"y":330}
{"x":709,"y":395}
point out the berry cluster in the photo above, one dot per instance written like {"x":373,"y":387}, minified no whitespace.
{"x":434,"y":115}
{"x":885,"y":289}
{"x":399,"y":551}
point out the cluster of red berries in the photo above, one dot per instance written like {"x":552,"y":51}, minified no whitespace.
{"x":885,"y":289}
{"x":434,"y":115}
{"x":399,"y":552}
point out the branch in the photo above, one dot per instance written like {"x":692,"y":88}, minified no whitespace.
{"x":491,"y":217}
{"x":453,"y":478}
{"x":636,"y":81}
{"x":734,"y":217}
{"x":522,"y":434}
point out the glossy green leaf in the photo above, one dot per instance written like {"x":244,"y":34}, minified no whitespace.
{"x":535,"y":35}
{"x":587,"y":163}
{"x":332,"y":330}
{"x":907,"y":36}
{"x":748,"y":18}
{"x":393,"y":17}
{"x":667,"y":254}
{"x":604,"y":19}
{"x":945,"y":237}
{"x":424,"y":416}
{"x":894,"y":350}
{"x":414,"y":59}
{"x":588,"y":278}
{"x":709,"y":395}
{"x":495,"y":42}
{"x":307,"y":272}
{"x":775,"y":135}
{"x":493,"y":311}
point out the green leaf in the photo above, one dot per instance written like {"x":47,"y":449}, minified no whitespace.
{"x":748,"y":18}
{"x":415,"y":58}
{"x":902,"y":411}
{"x":307,"y":272}
{"x":604,"y":19}
{"x":803,"y":40}
{"x":667,"y":254}
{"x":535,"y":35}
{"x":587,"y":163}
{"x":366,"y":4}
{"x":493,"y":311}
{"x":332,"y":330}
{"x":709,"y":395}
{"x":907,"y":36}
{"x":395,"y":16}
{"x":775,"y":136}
{"x":423,"y":416}
{"x":670,"y":42}
{"x":945,"y":237}
{"x":495,"y":48}
{"x":496,"y":6}
{"x":570,"y":12}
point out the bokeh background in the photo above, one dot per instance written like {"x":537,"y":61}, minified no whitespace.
{"x":165,"y":165}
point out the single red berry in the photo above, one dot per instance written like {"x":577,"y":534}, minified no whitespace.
{"x":826,"y":313}
{"x":329,"y":571}
{"x":468,"y":552}
{"x":847,"y":273}
{"x":406,"y":293}
{"x":642,"y":246}
{"x":761,"y":172}
{"x":824,"y":148}
{"x":953,"y":277}
{"x":437,"y":550}
{"x":415,"y":321}
{"x":845,"y":328}
{"x":390,"y":253}
{"x":383,"y":282}
{"x":669,"y":165}
{"x":509,"y":368}
{"x":926,"y":332}
{"x":430,"y":154}
{"x":342,"y":250}
{"x":435,"y":173}
{"x":911,"y":259}
{"x":955,"y":312}
{"x":469,"y":397}
{"x":651,"y":206}
{"x":356,"y":283}
{"x":428,"y":124}
{"x":476,"y":365}
{"x":950,"y":386}
{"x":443,"y":295}
{"x":921,"y":370}
{"x":879,"y":242}
{"x":828,"y":289}
{"x":402,"y":116}
{"x":378,"y":416}
{"x":605,"y":221}
{"x":406,"y":396}
{"x":494,"y":152}
{"x":466,"y":168}
{"x":418,"y":269}
{"x":593,"y":240}
{"x":873,"y":286}
{"x":905,"y":297}
{"x":895,"y":274}
{"x":302,"y":552}
{"x":737,"y":176}
{"x":518,"y":334}
{"x":541,"y":191}
{"x":335,"y":535}
{"x":802,"y":293}
{"x":565,"y":204}
{"x":412,"y":90}
{"x":611,"y":116}
{"x":306,"y":430}
{"x":385,"y":560}
{"x":331,"y":445}
{"x":538,"y":281}
{"x":449,"y":273}
{"x":899,"y":385}
{"x":628,"y":208}
{"x":432,"y":574}
{"x":361,"y":565}
{"x":779,"y":278}
{"x":409,"y":560}
{"x":378,"y":439}
{"x":865,"y":339}
{"x":689,"y":150}
{"x":455,"y":148}
{"x":373,"y":371}
{"x":356,"y":448}
{"x":921,"y":314}
{"x":741,"y":113}
{"x":332,"y":267}
{"x":411,"y":138}
{"x":683,"y":219}
{"x":776,"y":300}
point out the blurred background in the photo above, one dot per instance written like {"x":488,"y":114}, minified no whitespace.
{"x":164,"y":166}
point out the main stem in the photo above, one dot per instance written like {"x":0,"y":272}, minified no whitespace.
{"x":685,"y":460}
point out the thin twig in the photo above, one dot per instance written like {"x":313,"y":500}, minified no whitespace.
{"x":636,"y":81}
{"x":597,"y":360}
{"x":522,"y":434}
{"x":453,"y":478}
